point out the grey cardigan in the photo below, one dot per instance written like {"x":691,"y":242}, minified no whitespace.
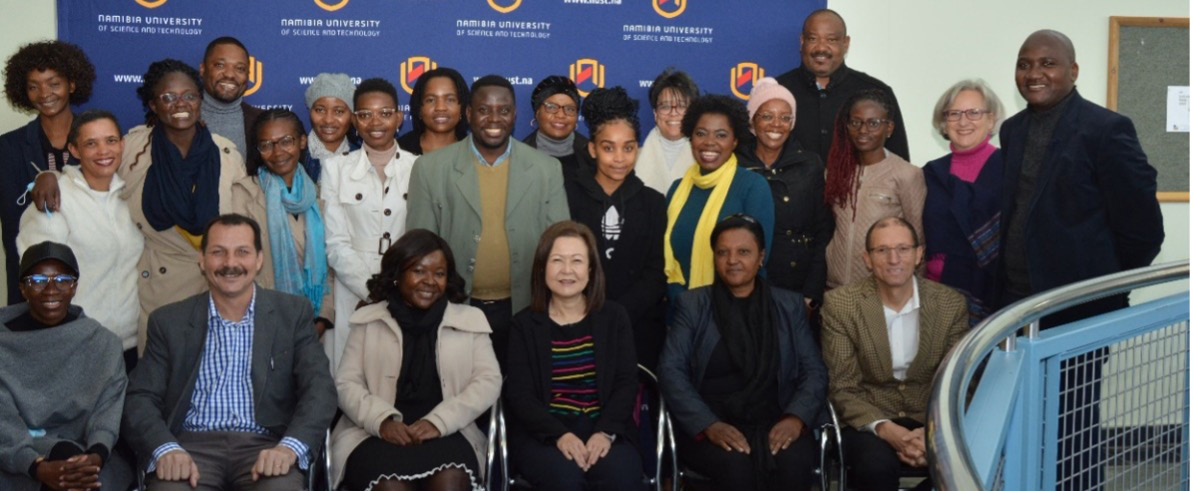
{"x":63,"y":383}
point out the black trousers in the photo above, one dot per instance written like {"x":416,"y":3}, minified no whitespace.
{"x":500,"y":315}
{"x":733,"y":471}
{"x":546,"y":468}
{"x":871,"y":461}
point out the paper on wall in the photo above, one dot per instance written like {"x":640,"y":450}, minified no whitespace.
{"x":1178,"y":109}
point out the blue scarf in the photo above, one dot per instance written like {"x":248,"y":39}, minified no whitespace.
{"x":310,"y":279}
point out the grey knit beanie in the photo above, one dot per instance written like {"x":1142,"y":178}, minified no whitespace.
{"x":336,"y":85}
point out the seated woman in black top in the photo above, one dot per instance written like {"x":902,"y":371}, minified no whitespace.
{"x":627,"y":217}
{"x":572,"y":380}
{"x":741,"y":373}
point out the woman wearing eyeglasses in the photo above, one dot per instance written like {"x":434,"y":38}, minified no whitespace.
{"x":64,"y":382}
{"x":283,"y":198}
{"x":556,"y":104}
{"x":365,"y":197}
{"x":178,"y":176}
{"x":803,"y":222}
{"x":95,"y":222}
{"x":666,"y":153}
{"x":864,"y":182}
{"x":961,"y":212}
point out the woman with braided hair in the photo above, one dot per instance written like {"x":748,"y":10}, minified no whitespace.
{"x":864,"y":182}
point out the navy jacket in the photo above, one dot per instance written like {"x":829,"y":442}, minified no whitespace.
{"x":1094,"y":211}
{"x":692,"y":337}
{"x":18,"y":148}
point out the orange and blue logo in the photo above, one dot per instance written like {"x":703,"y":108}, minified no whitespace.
{"x":256,"y":76}
{"x":331,"y":6}
{"x":588,"y":74}
{"x":150,"y":4}
{"x":509,"y":6}
{"x":742,"y":78}
{"x":412,"y":68}
{"x":669,"y":8}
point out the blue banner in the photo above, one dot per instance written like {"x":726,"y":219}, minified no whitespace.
{"x":724,"y":45}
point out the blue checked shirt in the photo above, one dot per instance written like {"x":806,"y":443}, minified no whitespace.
{"x":223,"y":396}
{"x":509,"y":148}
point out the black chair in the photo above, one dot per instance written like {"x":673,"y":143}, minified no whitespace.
{"x":654,"y":479}
{"x":828,"y":436}
{"x":835,"y":442}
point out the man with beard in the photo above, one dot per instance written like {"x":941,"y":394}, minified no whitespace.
{"x":491,"y":197}
{"x":225,"y":73}
{"x":233,"y":391}
{"x":822,"y":83}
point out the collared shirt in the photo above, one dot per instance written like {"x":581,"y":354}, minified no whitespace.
{"x":223,"y":396}
{"x":903,"y":334}
{"x":509,"y":147}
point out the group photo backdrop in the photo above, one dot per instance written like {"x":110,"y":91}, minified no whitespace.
{"x":596,"y":43}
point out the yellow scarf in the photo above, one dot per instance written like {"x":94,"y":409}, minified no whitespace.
{"x":701,"y":264}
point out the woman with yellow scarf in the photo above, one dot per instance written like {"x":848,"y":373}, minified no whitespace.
{"x":711,"y":189}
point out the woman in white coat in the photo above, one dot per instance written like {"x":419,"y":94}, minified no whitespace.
{"x":365,"y":197}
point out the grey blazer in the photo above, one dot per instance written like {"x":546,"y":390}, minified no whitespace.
{"x":293,"y":392}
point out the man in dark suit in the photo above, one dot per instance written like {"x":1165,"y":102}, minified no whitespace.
{"x":883,"y":339}
{"x":1080,"y":202}
{"x":822,"y":83}
{"x":1080,"y":198}
{"x":233,"y":391}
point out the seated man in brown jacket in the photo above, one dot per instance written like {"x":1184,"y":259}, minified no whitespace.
{"x":882,"y":342}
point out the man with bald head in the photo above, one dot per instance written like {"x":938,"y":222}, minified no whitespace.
{"x":1080,"y":197}
{"x":1080,"y":203}
{"x":822,"y":83}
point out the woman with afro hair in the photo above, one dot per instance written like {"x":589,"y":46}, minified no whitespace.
{"x":45,"y":78}
{"x":865,"y":183}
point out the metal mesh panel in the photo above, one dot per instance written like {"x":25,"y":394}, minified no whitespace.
{"x":1123,"y":415}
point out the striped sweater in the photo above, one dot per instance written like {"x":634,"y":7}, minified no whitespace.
{"x":573,"y":373}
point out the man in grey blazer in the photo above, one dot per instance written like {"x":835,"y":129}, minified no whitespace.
{"x":233,"y":390}
{"x":491,"y":197}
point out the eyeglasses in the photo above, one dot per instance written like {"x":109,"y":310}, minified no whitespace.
{"x":38,"y":282}
{"x":553,"y":108}
{"x":365,"y":115}
{"x":770,"y":117}
{"x":168,"y":98}
{"x":971,"y":114}
{"x":902,"y":250}
{"x":870,"y":124}
{"x":285,"y":143}
{"x":666,"y":107}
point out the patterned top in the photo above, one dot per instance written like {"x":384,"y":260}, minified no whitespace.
{"x":573,"y":371}
{"x":223,"y":395}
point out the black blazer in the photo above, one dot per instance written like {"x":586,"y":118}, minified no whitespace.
{"x":527,"y":388}
{"x":692,"y":337}
{"x":293,"y":392}
{"x":804,"y":224}
{"x":1094,"y":211}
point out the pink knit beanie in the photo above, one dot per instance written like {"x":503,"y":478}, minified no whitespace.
{"x":765,"y":90}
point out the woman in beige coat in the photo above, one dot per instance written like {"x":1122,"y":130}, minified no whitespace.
{"x":291,"y":212}
{"x":417,"y":371}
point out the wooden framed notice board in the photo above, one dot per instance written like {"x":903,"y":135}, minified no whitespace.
{"x":1147,"y":56}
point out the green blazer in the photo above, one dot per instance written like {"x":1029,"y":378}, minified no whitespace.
{"x":444,"y":197}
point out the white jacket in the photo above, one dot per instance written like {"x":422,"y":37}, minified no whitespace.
{"x":98,"y":228}
{"x":361,"y":220}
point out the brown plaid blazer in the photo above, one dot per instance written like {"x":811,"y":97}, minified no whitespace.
{"x":857,"y":351}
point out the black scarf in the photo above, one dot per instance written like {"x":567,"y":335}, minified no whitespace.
{"x":420,"y":330}
{"x":182,"y":191}
{"x":748,"y":329}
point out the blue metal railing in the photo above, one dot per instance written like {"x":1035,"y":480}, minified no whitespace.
{"x":1106,"y":397}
